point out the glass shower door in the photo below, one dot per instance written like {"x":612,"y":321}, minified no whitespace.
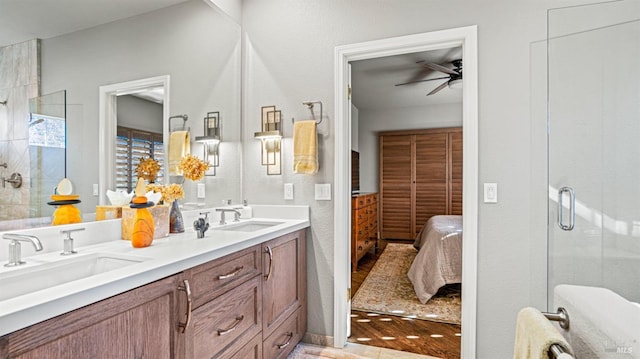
{"x":594,"y":147}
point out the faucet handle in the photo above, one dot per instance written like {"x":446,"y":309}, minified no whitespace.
{"x":68,"y":242}
{"x":69,"y":231}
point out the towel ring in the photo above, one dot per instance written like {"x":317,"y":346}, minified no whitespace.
{"x":310,"y":105}
{"x":184,"y":122}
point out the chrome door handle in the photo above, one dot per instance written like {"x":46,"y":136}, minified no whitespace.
{"x":572,"y":208}
{"x":187,"y":289}
{"x":270,"y":253}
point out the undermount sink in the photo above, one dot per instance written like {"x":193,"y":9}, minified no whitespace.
{"x":33,"y":278}
{"x":250,"y":226}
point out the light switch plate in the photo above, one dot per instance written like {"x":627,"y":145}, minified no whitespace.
{"x":323,"y":191}
{"x":490,"y":193}
{"x":96,"y":191}
{"x":200,"y":190}
{"x":288,"y":191}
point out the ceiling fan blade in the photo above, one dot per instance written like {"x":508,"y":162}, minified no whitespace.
{"x":416,"y":81}
{"x":440,"y":68}
{"x":435,"y":90}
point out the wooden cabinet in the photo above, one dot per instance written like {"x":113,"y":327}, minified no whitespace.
{"x":420,"y":177}
{"x":226,"y":305}
{"x":248,"y":304}
{"x":284,"y":318}
{"x":140,"y":323}
{"x":364,"y":226}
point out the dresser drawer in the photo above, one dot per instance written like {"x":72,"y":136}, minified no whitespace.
{"x":359,"y":216}
{"x":216,"y":277}
{"x":284,"y":338}
{"x":227,"y":323}
{"x":358,"y":202}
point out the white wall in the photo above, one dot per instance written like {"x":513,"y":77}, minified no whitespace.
{"x":196,"y":46}
{"x":374,"y":121}
{"x":289,"y":58}
{"x":134,"y":112}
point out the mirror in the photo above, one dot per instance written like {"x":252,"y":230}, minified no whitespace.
{"x":194,"y":44}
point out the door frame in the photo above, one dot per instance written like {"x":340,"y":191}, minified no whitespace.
{"x":467,"y":38}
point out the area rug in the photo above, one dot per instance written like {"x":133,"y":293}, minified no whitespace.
{"x":387,"y":290}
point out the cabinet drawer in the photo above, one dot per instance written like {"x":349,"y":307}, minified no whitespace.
{"x":284,"y":338}
{"x":222,"y":324}
{"x":251,"y":350}
{"x":212,"y":279}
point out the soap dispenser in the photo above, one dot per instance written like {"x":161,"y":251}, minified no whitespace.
{"x":246,"y":212}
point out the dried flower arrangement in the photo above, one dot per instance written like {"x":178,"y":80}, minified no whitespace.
{"x":193,"y":168}
{"x":169,"y":192}
{"x":148,"y":169}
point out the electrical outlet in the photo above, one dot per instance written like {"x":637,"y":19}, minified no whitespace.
{"x":490,"y":193}
{"x":288,"y":191}
{"x":323,"y":192}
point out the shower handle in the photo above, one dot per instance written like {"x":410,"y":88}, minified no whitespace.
{"x":572,"y":208}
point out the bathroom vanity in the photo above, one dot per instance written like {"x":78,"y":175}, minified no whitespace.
{"x":245,"y":298}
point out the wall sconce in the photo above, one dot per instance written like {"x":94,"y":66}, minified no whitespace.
{"x":211,"y":140}
{"x":271,"y":137}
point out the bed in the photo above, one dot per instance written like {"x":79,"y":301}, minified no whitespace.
{"x":439,"y":258}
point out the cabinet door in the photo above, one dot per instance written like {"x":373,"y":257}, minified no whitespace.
{"x":431,"y":173}
{"x":455,"y":153}
{"x":396,"y":186}
{"x":284,"y":280}
{"x":140,"y":323}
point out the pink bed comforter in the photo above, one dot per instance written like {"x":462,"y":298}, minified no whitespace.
{"x":439,"y":259}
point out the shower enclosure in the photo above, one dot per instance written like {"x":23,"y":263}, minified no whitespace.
{"x":593,"y":98}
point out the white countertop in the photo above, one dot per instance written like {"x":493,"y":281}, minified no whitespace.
{"x":165,"y":257}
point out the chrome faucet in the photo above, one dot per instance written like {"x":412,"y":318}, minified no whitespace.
{"x":201,"y":224}
{"x":236,"y":214}
{"x":15,"y":249}
{"x":68,"y":242}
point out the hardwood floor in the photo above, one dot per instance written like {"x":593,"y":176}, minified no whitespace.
{"x":411,"y":335}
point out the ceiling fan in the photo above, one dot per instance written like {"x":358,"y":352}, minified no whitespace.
{"x":453,"y":78}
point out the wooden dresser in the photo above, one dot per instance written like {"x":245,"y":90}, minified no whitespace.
{"x":364,"y":226}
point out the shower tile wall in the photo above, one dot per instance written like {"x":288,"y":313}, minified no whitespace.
{"x":19,"y":81}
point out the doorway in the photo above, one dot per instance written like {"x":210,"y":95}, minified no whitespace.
{"x":466,"y":38}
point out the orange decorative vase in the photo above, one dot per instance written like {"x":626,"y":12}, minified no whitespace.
{"x":143,"y":229}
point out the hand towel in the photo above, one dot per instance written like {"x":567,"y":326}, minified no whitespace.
{"x":534,"y":336}
{"x":305,"y":147}
{"x":179,"y":146}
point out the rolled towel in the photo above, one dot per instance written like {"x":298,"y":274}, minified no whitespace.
{"x":305,"y":147}
{"x":535,"y":335}
{"x":179,"y":146}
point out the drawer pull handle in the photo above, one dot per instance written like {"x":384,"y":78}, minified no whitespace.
{"x":284,"y":345}
{"x":270,"y":252}
{"x":233,"y":327}
{"x":232,"y":274}
{"x":187,"y":290}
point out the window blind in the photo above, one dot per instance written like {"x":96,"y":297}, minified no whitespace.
{"x":132,"y":145}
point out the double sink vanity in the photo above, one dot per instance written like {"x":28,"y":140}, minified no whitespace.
{"x":239,"y":292}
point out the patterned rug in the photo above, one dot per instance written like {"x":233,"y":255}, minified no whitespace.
{"x":387,"y":290}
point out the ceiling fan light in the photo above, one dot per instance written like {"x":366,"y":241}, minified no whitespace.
{"x":455,"y":84}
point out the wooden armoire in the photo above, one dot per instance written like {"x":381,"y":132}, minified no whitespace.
{"x":420,"y":177}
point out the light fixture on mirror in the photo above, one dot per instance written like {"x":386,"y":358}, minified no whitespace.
{"x":211,"y":140}
{"x":270,"y":137}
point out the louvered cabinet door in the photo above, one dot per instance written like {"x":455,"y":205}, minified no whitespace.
{"x":455,"y":181}
{"x":431,"y":173}
{"x":396,"y":187}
